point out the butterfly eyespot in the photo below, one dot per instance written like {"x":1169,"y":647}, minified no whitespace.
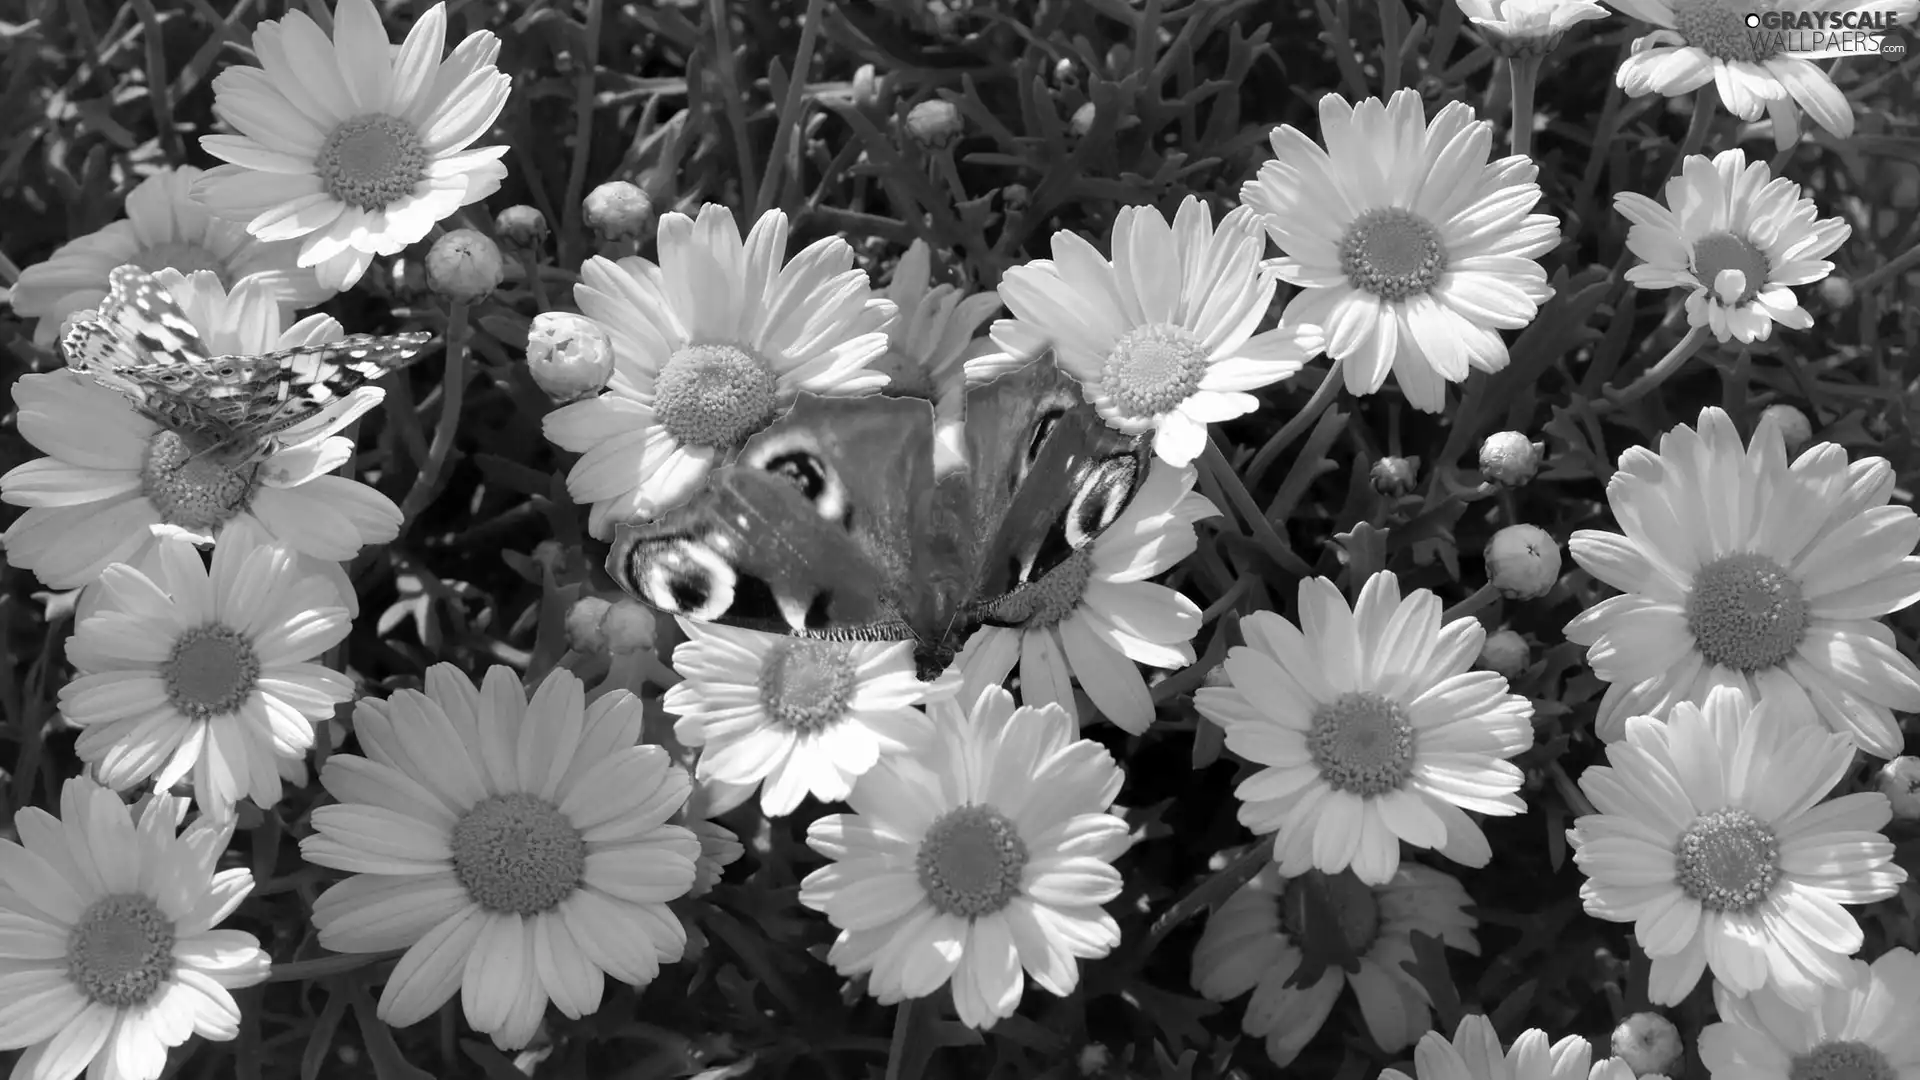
{"x":1043,"y":426}
{"x":682,"y":576}
{"x":1099,"y":499}
{"x":810,"y":475}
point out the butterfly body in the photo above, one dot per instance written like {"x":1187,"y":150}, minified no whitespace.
{"x":141,"y":344}
{"x":835,"y":522}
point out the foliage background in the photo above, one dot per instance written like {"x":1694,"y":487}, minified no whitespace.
{"x":692,"y":102}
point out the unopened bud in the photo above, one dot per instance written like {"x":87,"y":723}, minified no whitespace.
{"x":1794,"y":425}
{"x":1899,"y":781}
{"x":521,"y":227}
{"x":1509,"y":458}
{"x":1065,"y":71}
{"x":867,"y":88}
{"x":569,"y":356}
{"x":1394,"y":476}
{"x":1836,"y":291}
{"x":1015,"y":198}
{"x":1505,"y":653}
{"x":616,"y":210}
{"x":464,"y":266}
{"x":629,"y":626}
{"x":1523,"y":562}
{"x":584,"y":632}
{"x":1082,"y":122}
{"x":1648,"y":1043}
{"x":935,"y":123}
{"x":718,"y":848}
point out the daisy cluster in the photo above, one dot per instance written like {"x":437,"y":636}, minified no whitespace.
{"x":513,"y":832}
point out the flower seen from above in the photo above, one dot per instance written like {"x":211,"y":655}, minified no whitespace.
{"x":710,"y":344}
{"x":1370,"y":731}
{"x":1863,"y":1028}
{"x":353,"y":146}
{"x":517,"y":850}
{"x":1738,"y":569}
{"x":1713,"y":841}
{"x":1475,"y":1054}
{"x":1410,"y":249}
{"x":110,"y":957}
{"x":1736,"y":240}
{"x":1256,"y":940}
{"x":1161,"y":338}
{"x":987,"y":854}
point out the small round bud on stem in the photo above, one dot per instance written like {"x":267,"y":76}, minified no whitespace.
{"x":1523,"y":562}
{"x":1509,"y":458}
{"x":935,"y":123}
{"x":1394,"y":476}
{"x":1015,"y":198}
{"x":569,"y":356}
{"x":1505,"y":653}
{"x":617,"y":210}
{"x":1082,"y":122}
{"x":584,"y":633}
{"x":869,"y":89}
{"x":1899,"y":781}
{"x":629,"y":626}
{"x":1794,"y":425}
{"x":522,"y":227}
{"x":1836,"y":291}
{"x":464,"y":266}
{"x":1648,"y":1043}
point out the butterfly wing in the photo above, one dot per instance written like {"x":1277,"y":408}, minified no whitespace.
{"x":256,"y":396}
{"x":141,"y":344}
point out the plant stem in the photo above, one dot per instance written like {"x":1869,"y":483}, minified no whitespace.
{"x":727,"y":70}
{"x":1263,"y":531}
{"x":1661,"y":370}
{"x":583,"y":90}
{"x":1524,"y":72}
{"x":453,"y":394}
{"x":787,"y":132}
{"x":1309,"y":415}
{"x":903,"y":1025}
{"x":1705,"y":101}
{"x":1484,"y":595}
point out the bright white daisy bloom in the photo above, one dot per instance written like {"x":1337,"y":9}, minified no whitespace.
{"x":795,"y":716}
{"x":1529,"y":26}
{"x":1712,"y":839}
{"x":114,"y":479}
{"x":710,"y":345}
{"x":163,"y":227}
{"x":353,"y":146}
{"x":1096,"y":615}
{"x":1253,"y":942}
{"x":1370,"y":730}
{"x":1409,"y":247}
{"x":109,"y":957}
{"x":515,"y":849}
{"x":989,"y":853}
{"x":1736,"y":240}
{"x":1161,"y":338}
{"x":1475,"y":1054}
{"x":187,"y":672}
{"x":1862,"y":1028}
{"x":1738,"y":569}
{"x":1754,"y":69}
{"x":930,"y":346}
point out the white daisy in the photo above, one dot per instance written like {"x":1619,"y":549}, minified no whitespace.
{"x":113,"y":479}
{"x":1861,"y":1028}
{"x":163,"y":227}
{"x":1739,"y":570}
{"x":1736,"y":241}
{"x":988,"y":853}
{"x":209,"y":674}
{"x":515,"y":849}
{"x":1161,"y":338}
{"x":1697,"y":42}
{"x":1474,"y":1054}
{"x":1252,"y":942}
{"x":353,"y":146}
{"x":930,"y":344}
{"x":1529,"y":25}
{"x":108,"y":956}
{"x":798,"y":717}
{"x":1410,"y":249}
{"x":1370,"y":729}
{"x":1096,"y":614}
{"x":1711,"y":838}
{"x":709,"y":346}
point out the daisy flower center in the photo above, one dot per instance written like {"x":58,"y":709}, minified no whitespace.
{"x":807,"y":686}
{"x":517,"y":853}
{"x":1728,"y":860}
{"x":372,"y":161}
{"x":1362,"y":743}
{"x":1392,"y":253}
{"x":182,"y":255}
{"x":1716,"y":253}
{"x":713,"y":395}
{"x":121,"y":952}
{"x":192,"y":492}
{"x":971,"y":861}
{"x":1352,"y":902}
{"x":1842,"y":1059}
{"x":1153,"y":368}
{"x":1719,"y":29}
{"x":1746,"y":612}
{"x":210,"y":672}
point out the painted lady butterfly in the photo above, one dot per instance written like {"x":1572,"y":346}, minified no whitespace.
{"x":142,"y":345}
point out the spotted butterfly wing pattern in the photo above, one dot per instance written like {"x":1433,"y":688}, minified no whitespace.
{"x":142,"y":345}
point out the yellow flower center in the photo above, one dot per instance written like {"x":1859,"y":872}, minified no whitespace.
{"x":970,"y":862}
{"x":1718,"y":252}
{"x":189,"y":490}
{"x":1842,"y":1059}
{"x":372,"y":161}
{"x":1351,"y":901}
{"x":1719,"y":29}
{"x":1746,"y":612}
{"x":210,"y":672}
{"x":1728,"y":860}
{"x":1154,"y":368}
{"x":714,"y":395}
{"x":1392,"y":253}
{"x":517,"y":853}
{"x":807,"y":686}
{"x":121,"y":951}
{"x":1362,"y":743}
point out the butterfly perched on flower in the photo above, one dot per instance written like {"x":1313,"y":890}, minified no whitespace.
{"x":141,"y":344}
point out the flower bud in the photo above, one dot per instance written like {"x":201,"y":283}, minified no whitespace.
{"x":868,"y":88}
{"x":1523,"y":562}
{"x":628,"y":626}
{"x":1015,"y":198}
{"x":1394,"y":476}
{"x":935,"y":123}
{"x":616,"y":210}
{"x":1505,"y":653}
{"x":584,"y":632}
{"x":1648,"y":1042}
{"x":551,"y":554}
{"x":1509,"y":459}
{"x":1082,"y":122}
{"x":1836,"y":291}
{"x":1794,"y":425}
{"x":1065,"y":71}
{"x":521,"y":227}
{"x":569,"y":356}
{"x":1899,"y":781}
{"x":464,"y":266}
{"x":718,"y":848}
